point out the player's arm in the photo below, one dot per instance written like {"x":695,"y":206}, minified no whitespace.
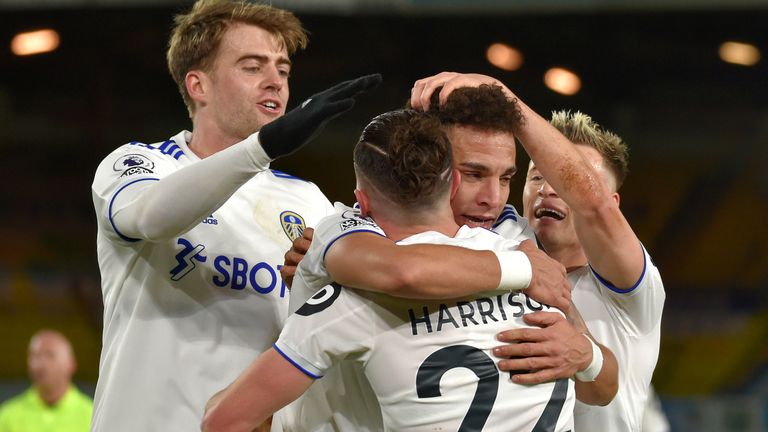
{"x":559,"y":348}
{"x":369,"y":261}
{"x":611,"y":246}
{"x":167,"y":207}
{"x":268,"y":384}
{"x":601,"y":389}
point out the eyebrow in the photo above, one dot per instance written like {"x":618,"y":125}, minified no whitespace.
{"x":264,"y":59}
{"x":481,"y":167}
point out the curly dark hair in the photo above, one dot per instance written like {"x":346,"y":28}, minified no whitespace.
{"x":406,"y":156}
{"x":485,"y":107}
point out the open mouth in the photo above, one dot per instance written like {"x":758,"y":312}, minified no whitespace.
{"x":473,"y":221}
{"x":271,"y":106}
{"x":543,"y":212}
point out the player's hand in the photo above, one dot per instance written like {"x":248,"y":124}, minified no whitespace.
{"x":555,"y":350}
{"x":294,"y":256}
{"x":298,"y":126}
{"x":447,"y":82}
{"x":549,"y":280}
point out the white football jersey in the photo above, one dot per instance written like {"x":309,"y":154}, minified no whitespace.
{"x":512,"y":225}
{"x":629,"y":323}
{"x":429,"y":362}
{"x":183,"y":317}
{"x":343,"y":400}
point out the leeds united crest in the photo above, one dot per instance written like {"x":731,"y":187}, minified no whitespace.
{"x":293,"y":224}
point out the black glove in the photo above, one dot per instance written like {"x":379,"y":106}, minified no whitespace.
{"x":298,"y":126}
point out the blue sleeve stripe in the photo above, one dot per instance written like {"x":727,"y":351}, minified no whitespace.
{"x":613,"y":288}
{"x":112,"y":201}
{"x":306,"y":372}
{"x":346,"y":234}
{"x":285,"y":175}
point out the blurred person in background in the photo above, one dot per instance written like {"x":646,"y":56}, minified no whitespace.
{"x":53,"y":403}
{"x":191,"y":230}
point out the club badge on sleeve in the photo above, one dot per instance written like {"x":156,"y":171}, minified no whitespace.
{"x":293,"y":224}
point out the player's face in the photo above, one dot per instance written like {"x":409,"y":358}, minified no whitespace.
{"x":249,"y":80}
{"x":486,"y":161}
{"x":548,"y":215}
{"x":50,"y":361}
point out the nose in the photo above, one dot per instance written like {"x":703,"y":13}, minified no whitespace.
{"x":491,"y":194}
{"x":546,"y":190}
{"x":272,"y":78}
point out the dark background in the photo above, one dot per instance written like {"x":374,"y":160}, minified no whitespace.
{"x":697,"y":194}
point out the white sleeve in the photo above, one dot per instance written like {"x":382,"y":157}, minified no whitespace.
{"x":170,"y":206}
{"x":639,"y":307}
{"x":311,"y":273}
{"x":334,"y":324}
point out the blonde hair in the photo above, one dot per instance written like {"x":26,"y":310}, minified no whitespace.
{"x":197,"y":34}
{"x":581,"y":129}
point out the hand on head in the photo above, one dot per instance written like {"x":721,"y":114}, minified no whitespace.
{"x":422,"y":90}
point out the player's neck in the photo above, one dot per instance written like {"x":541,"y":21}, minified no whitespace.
{"x":53,"y":394}
{"x":410,"y":224}
{"x":208,"y":139}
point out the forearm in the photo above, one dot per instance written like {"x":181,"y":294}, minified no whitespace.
{"x":267,"y":385}
{"x":605,"y":385}
{"x":157,"y":210}
{"x":435,"y":272}
{"x":602,"y":390}
{"x":423,"y":271}
{"x":574,"y":179}
{"x":609,"y":242}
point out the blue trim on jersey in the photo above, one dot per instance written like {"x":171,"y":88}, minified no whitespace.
{"x":284,"y":175}
{"x":613,"y":288}
{"x":509,"y":212}
{"x":285,"y":356}
{"x":346,"y":234}
{"x":503,"y":218}
{"x":168,"y":147}
{"x":112,"y":201}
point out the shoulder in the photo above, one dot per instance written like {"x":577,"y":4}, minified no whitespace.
{"x":481,"y":238}
{"x":295,"y":184}
{"x":650,"y":278}
{"x":345,"y":220}
{"x":137,"y":158}
{"x":16,"y":404}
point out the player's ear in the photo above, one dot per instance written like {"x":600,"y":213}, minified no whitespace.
{"x":616,"y":198}
{"x":455,"y":182}
{"x":197,"y":83}
{"x":363,"y":202}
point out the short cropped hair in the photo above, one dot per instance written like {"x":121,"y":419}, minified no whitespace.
{"x":579,"y":128}
{"x":406,"y":156}
{"x":197,"y":34}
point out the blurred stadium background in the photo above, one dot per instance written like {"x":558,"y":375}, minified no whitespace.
{"x":656,"y":72}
